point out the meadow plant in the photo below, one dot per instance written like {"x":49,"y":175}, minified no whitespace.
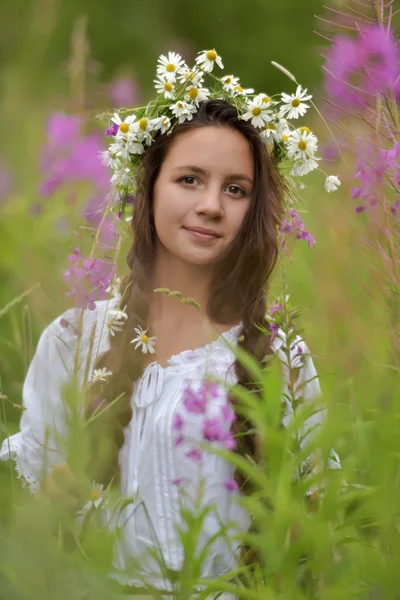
{"x":362,"y":82}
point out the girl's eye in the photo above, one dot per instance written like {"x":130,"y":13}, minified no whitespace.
{"x":188,"y":180}
{"x":235,"y":190}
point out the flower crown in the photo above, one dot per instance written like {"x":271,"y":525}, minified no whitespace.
{"x":180,"y":91}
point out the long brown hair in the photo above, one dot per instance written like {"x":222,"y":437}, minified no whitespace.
{"x":238,"y":288}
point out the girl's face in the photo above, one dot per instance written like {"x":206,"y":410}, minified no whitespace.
{"x":202,"y":193}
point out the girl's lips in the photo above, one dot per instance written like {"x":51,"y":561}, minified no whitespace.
{"x":202,"y":235}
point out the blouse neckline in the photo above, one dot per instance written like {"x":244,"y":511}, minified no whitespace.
{"x":223,"y":342}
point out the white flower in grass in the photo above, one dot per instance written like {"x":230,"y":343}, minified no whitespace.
{"x":302,"y":144}
{"x":100,"y":375}
{"x":164,"y":87}
{"x":183,"y":111}
{"x":115,"y":320}
{"x":229,"y":82}
{"x":124,"y":126}
{"x":163,"y":123}
{"x":143,"y":340}
{"x":168,"y":66}
{"x":187,"y":75}
{"x":257,"y":112}
{"x":196,"y":95}
{"x":294,"y":105}
{"x":332,"y":182}
{"x":300,"y":169}
{"x":207,"y":59}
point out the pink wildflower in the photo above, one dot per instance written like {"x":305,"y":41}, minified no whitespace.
{"x":194,"y":454}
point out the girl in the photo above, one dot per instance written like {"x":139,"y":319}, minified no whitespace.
{"x":205,"y":222}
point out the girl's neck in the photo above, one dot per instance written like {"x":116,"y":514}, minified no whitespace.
{"x":178,"y":326}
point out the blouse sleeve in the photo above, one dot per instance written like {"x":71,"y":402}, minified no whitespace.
{"x":38,"y":445}
{"x":306,"y":388}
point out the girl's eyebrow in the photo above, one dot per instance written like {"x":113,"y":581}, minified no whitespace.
{"x":201,"y":171}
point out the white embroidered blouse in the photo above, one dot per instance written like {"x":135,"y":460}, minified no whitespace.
{"x":150,"y":459}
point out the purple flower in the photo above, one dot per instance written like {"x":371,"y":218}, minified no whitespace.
{"x":177,"y":481}
{"x":231,"y":485}
{"x":273,"y":327}
{"x":359,"y":67}
{"x":293,"y":225}
{"x":111,"y":130}
{"x":87,"y":279}
{"x":124,"y":92}
{"x":228,"y":414}
{"x":214,"y":430}
{"x":194,"y":454}
{"x":177,"y":422}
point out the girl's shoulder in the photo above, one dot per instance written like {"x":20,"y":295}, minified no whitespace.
{"x":76,"y":335}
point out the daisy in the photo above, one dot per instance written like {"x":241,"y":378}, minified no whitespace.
{"x":135,"y":146}
{"x":332,"y":183}
{"x":294,"y":105}
{"x":258,"y":113}
{"x":207,"y":59}
{"x":125,"y":126}
{"x":239,"y":91}
{"x":164,"y":87}
{"x":197,"y":95}
{"x":229,"y":82}
{"x":115,"y":320}
{"x":143,"y":340}
{"x":270,"y":133}
{"x":95,"y":499}
{"x":100,"y":374}
{"x":168,"y":67}
{"x":121,"y":178}
{"x":142,"y":129}
{"x":183,"y":111}
{"x":109,"y":159}
{"x":194,"y":77}
{"x":265,"y":99}
{"x":162,"y":123}
{"x":120,"y":148}
{"x":303,"y":168}
{"x":302,"y":145}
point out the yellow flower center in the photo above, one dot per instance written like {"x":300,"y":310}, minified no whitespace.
{"x":94,"y":495}
{"x":211,"y":55}
{"x":228,"y":80}
{"x":143,"y":124}
{"x":238,"y":88}
{"x":256,"y":111}
{"x":285,"y":138}
{"x":170,"y":68}
{"x":164,"y":120}
{"x":305,"y":130}
{"x":302,"y":145}
{"x":124,"y":127}
{"x":191,"y":76}
{"x":271,"y":126}
{"x":145,"y":338}
{"x":266,"y":99}
{"x":180,"y":105}
{"x":295,"y":102}
{"x":168,"y":86}
{"x":193,"y":93}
